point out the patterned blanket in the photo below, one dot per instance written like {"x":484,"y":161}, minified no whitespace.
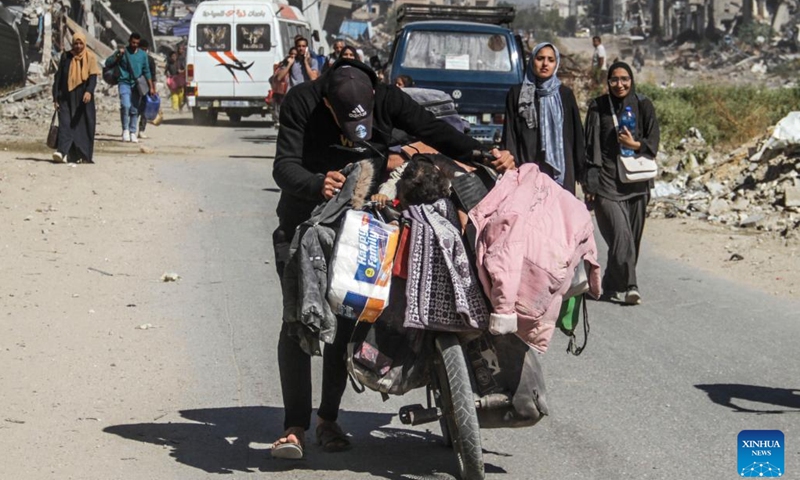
{"x":443,"y":292}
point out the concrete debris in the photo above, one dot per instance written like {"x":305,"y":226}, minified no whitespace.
{"x":33,"y":33}
{"x":740,"y":190}
{"x":170,"y":277}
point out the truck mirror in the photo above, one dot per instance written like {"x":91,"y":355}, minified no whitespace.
{"x":315,"y":35}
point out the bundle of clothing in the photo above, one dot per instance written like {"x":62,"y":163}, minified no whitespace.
{"x":531,"y":234}
{"x":305,"y":280}
{"x":442,"y":291}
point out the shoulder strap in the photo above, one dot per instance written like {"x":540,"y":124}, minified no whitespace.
{"x":613,"y":113}
{"x":130,"y":68}
{"x":573,"y":347}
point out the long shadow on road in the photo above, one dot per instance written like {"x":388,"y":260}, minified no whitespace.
{"x":727,"y":394}
{"x":227,"y":440}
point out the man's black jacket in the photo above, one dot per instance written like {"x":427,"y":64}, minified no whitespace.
{"x":310,"y":143}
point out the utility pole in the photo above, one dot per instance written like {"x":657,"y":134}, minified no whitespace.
{"x":47,"y":39}
{"x":88,"y":17}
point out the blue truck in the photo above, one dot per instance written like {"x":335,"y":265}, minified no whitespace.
{"x":465,"y":52}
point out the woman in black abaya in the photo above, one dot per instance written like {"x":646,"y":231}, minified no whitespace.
{"x":620,"y":208}
{"x":73,"y":96}
{"x":542,"y":121}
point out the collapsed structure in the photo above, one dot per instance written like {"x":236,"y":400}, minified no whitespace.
{"x":32,"y":34}
{"x":694,"y":19}
{"x":756,"y":186}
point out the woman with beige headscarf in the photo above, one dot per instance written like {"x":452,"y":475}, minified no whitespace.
{"x":73,"y":97}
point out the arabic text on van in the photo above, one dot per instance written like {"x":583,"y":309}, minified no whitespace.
{"x":230,"y":13}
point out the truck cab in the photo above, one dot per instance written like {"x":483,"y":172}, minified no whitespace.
{"x":476,"y":63}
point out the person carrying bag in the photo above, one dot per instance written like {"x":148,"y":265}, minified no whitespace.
{"x":611,"y":187}
{"x":132,"y":87}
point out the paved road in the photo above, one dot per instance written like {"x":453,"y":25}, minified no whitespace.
{"x":660,"y":393}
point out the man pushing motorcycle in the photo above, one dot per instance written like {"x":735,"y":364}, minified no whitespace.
{"x":343,"y":117}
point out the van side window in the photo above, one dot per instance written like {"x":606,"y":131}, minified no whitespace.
{"x":213,"y":37}
{"x":253,"y":38}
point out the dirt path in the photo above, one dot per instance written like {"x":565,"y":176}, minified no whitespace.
{"x":80,"y":300}
{"x":761,"y":261}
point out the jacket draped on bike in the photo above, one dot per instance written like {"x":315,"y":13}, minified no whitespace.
{"x":531,"y":234}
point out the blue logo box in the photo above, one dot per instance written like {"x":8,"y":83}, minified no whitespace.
{"x":761,"y":453}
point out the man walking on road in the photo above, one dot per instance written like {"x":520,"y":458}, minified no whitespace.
{"x":301,"y":68}
{"x":344,"y":117}
{"x":132,"y":65}
{"x":599,"y":63}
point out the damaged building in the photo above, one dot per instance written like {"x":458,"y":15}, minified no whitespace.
{"x":671,"y":19}
{"x":34,"y":32}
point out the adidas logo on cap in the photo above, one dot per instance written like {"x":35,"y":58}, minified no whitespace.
{"x":358,"y":112}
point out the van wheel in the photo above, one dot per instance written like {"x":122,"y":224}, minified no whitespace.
{"x":235,"y":117}
{"x":198,"y":116}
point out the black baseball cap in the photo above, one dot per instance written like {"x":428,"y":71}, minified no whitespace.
{"x":352,"y":98}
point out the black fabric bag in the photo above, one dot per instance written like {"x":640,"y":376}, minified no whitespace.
{"x":111,"y":73}
{"x":470,"y":188}
{"x":52,"y":134}
{"x":385,"y":356}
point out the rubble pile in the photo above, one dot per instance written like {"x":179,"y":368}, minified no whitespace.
{"x":729,"y":60}
{"x":44,"y":30}
{"x":38,"y":109}
{"x":756,"y":186}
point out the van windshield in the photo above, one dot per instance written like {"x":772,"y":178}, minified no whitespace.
{"x":457,"y":51}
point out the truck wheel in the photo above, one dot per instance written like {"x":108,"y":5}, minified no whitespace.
{"x":235,"y":117}
{"x":458,"y":406}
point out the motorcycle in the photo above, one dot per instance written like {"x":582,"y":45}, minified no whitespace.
{"x":473,"y":379}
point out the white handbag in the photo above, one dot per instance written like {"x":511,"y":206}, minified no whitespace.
{"x":636,"y":169}
{"x":639,"y":168}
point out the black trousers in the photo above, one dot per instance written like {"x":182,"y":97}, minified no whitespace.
{"x":621,"y":224}
{"x":295,"y":364}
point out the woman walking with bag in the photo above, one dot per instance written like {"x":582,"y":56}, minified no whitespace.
{"x":620,"y":206}
{"x":542,"y":121}
{"x":73,"y":97}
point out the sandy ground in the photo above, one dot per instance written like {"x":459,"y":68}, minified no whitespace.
{"x":767,"y":262}
{"x":81,"y":291}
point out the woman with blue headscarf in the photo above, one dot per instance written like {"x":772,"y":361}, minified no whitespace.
{"x":542,"y":122}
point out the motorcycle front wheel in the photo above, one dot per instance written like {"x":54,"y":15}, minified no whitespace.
{"x":455,"y":398}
